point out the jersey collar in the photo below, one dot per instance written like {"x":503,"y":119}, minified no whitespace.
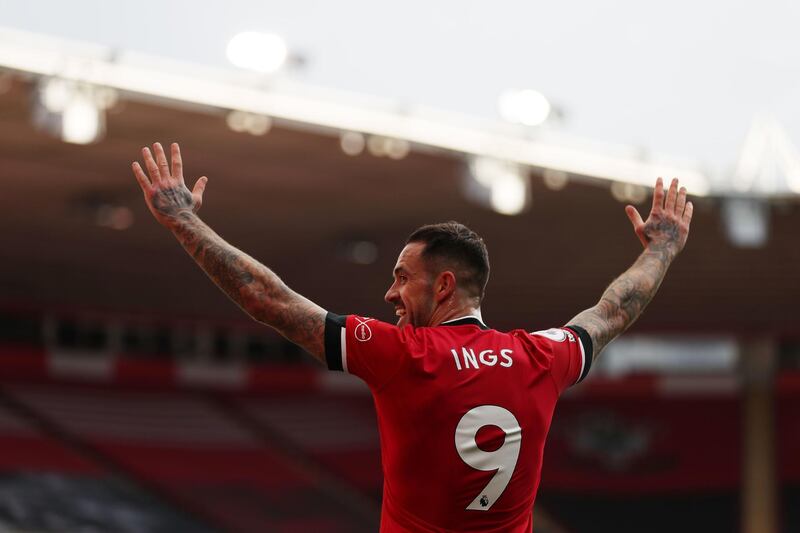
{"x":464,"y":320}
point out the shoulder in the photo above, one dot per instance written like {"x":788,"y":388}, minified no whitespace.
{"x":545,"y":343}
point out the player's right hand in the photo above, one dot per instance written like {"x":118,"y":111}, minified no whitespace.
{"x":667,"y":226}
{"x":164,"y":190}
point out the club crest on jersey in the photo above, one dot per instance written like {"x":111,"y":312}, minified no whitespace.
{"x":363,"y":332}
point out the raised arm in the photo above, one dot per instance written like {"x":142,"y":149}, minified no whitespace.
{"x":663,"y":236}
{"x":254,"y":287}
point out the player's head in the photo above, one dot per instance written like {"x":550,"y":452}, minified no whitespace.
{"x":441,"y":264}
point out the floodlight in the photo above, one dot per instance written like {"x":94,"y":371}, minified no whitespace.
{"x":352,"y":142}
{"x":55,"y":94}
{"x":628,"y":192}
{"x":555,"y":180}
{"x":526,"y":106}
{"x":397,"y":148}
{"x":746,"y":221}
{"x":252,"y":123}
{"x":81,"y":120}
{"x":70,"y":110}
{"x":261,"y":52}
{"x":501,"y":185}
{"x":508,"y":194}
{"x":387,"y":146}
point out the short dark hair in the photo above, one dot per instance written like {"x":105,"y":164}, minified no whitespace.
{"x":452,"y":244}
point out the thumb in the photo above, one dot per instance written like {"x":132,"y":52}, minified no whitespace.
{"x":634,"y":217}
{"x":200,"y":187}
{"x":197,"y":192}
{"x":638,"y":223}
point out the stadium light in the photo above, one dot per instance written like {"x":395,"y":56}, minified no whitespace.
{"x":352,"y":142}
{"x":525,"y":106}
{"x":500,"y":185}
{"x":397,"y":148}
{"x":555,"y":180}
{"x":81,"y":121}
{"x":628,"y":192}
{"x":55,"y":94}
{"x":261,"y":52}
{"x":73,"y":112}
{"x":252,"y":123}
{"x":768,"y":167}
{"x":387,"y":146}
{"x":746,"y":221}
{"x":508,"y":194}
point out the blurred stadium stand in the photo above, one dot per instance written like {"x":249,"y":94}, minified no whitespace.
{"x":182,"y":447}
{"x":135,"y":397}
{"x":252,"y":455}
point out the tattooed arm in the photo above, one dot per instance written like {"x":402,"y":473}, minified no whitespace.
{"x":663,"y":236}
{"x":254,"y":287}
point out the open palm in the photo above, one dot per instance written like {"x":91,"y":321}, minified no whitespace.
{"x":667,"y":226}
{"x":164,"y":189}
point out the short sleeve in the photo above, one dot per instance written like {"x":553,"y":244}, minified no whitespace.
{"x":365,"y":347}
{"x":571,"y":350}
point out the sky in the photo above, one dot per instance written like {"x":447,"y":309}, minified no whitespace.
{"x":681,"y":78}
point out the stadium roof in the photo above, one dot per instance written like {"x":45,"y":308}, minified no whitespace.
{"x":77,"y":234}
{"x":215,"y":90}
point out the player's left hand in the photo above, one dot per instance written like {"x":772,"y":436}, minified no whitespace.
{"x":164,"y":190}
{"x":667,"y":226}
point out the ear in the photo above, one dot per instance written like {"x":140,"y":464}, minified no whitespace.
{"x":444,"y":286}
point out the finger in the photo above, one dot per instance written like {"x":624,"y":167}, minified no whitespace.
{"x":687,"y":214}
{"x":141,"y":177}
{"x":200,"y":187}
{"x":658,"y":195}
{"x":177,"y":162}
{"x":150,"y":165}
{"x":672,"y":196}
{"x":681,"y":204}
{"x":161,"y":159}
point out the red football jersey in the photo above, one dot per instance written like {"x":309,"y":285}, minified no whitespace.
{"x":463,"y":413}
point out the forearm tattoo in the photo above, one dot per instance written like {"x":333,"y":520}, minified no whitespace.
{"x":627,"y":296}
{"x":254,"y":287}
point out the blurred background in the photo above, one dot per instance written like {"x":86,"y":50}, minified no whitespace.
{"x":134,"y":397}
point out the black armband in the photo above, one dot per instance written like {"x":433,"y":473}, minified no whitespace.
{"x":588,"y":349}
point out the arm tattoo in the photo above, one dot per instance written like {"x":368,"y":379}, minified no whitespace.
{"x":254,"y":287}
{"x":626,"y":297}
{"x":668,"y":232}
{"x":169,"y":202}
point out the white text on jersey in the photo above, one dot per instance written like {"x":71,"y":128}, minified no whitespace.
{"x":484,"y":357}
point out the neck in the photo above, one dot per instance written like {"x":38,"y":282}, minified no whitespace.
{"x":446,"y":313}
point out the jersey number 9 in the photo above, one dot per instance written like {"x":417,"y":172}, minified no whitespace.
{"x":503,"y":459}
